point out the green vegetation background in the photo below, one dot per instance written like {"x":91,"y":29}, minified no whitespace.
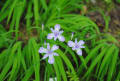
{"x":21,"y":35}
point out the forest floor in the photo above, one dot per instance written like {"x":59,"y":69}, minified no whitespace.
{"x":105,"y":15}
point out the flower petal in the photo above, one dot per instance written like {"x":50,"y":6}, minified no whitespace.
{"x":60,"y":32}
{"x":61,"y":38}
{"x":75,"y":40}
{"x":73,"y":48}
{"x":81,"y":42}
{"x":45,"y":56}
{"x":55,"y":38}
{"x":48,"y":46}
{"x":55,"y":47}
{"x":79,"y":52}
{"x":71,"y":44}
{"x":55,"y":54}
{"x":51,"y":59}
{"x":52,"y":29}
{"x":50,"y":36}
{"x":82,"y":46}
{"x":42,"y":50}
{"x":57,"y":27}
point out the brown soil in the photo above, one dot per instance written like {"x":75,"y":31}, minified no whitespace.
{"x":112,"y":11}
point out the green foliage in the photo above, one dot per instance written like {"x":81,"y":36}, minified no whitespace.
{"x":118,"y":1}
{"x":19,"y":57}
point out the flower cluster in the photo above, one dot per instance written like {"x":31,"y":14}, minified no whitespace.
{"x":57,"y":34}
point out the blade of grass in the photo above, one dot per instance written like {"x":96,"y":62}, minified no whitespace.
{"x":90,"y":55}
{"x":36,"y":12}
{"x":28,"y":74}
{"x":107,"y":56}
{"x":36,"y":59}
{"x":57,"y":72}
{"x":67,"y":61}
{"x":61,"y":68}
{"x":97,"y":59}
{"x":113,"y":65}
{"x":11,"y":10}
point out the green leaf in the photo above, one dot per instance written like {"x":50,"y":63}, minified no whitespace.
{"x":61,"y":68}
{"x":36,"y":59}
{"x":95,"y":61}
{"x":113,"y":64}
{"x":106,"y":58}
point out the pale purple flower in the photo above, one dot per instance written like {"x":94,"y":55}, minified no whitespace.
{"x":76,"y":46}
{"x":56,"y":33}
{"x":49,"y":52}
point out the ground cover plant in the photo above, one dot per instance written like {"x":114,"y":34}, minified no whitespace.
{"x":59,"y":40}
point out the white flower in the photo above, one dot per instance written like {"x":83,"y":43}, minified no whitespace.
{"x":56,"y":33}
{"x":49,"y":52}
{"x":76,"y":46}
